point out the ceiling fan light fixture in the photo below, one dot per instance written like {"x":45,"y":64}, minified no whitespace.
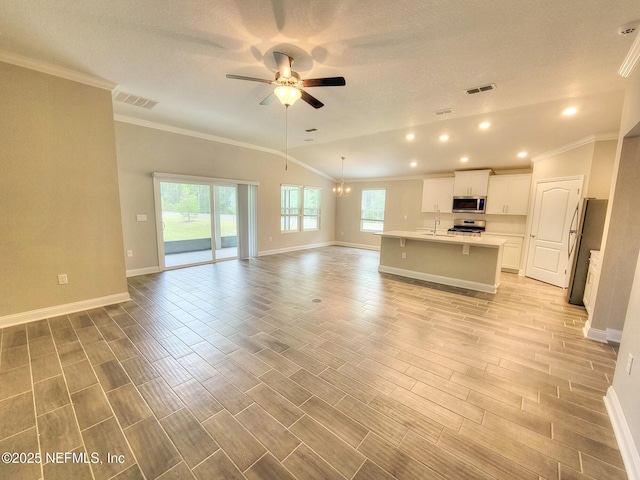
{"x":287,"y":95}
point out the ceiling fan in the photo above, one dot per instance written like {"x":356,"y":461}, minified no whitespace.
{"x":289,"y":85}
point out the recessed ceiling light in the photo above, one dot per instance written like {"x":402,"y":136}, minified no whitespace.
{"x":522,"y":154}
{"x":414,"y":164}
{"x":484,"y":125}
{"x":444,"y":137}
{"x":411,"y":136}
{"x":464,"y":159}
{"x":569,"y":111}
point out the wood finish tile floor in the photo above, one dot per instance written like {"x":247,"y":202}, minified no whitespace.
{"x":310,"y":365}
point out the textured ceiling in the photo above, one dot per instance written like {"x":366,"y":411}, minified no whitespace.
{"x":402,"y":60}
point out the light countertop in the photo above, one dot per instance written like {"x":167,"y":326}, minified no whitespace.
{"x":491,"y":242}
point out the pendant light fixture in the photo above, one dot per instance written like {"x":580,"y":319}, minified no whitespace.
{"x":340,"y":190}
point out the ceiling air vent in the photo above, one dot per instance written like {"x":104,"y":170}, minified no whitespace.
{"x":627,"y":29}
{"x":134,"y":100}
{"x":445,"y":111}
{"x":484,"y":88}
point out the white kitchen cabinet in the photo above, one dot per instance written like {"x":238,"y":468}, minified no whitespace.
{"x":437,"y":195}
{"x":512,"y":250}
{"x":593,"y":275}
{"x":508,"y":194}
{"x":471,"y":183}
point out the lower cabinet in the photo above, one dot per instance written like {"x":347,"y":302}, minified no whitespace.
{"x":512,"y":251}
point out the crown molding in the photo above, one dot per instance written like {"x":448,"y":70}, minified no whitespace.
{"x":213,"y":138}
{"x":578,"y":143}
{"x":55,"y":70}
{"x":631,"y":59}
{"x":384,"y":179}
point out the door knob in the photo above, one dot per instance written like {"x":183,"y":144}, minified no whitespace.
{"x":532,"y":236}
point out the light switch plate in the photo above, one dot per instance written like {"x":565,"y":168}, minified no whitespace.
{"x":141,"y":217}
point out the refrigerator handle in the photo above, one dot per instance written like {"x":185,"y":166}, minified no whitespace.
{"x":572,"y":231}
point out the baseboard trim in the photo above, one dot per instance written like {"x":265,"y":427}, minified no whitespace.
{"x":359,"y":245}
{"x":264,"y":253}
{"x":602,"y":336}
{"x":142,"y":271}
{"x":628,"y":449}
{"x":49,"y":312}
{"x":452,"y":282}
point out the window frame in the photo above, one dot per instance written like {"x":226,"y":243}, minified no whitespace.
{"x":318,"y":209}
{"x":364,"y":219}
{"x":285,"y":211}
{"x":299,"y":212}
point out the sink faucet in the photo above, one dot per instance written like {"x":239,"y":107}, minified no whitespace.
{"x":436,"y":222}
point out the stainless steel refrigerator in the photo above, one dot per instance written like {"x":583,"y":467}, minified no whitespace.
{"x":586,"y":233}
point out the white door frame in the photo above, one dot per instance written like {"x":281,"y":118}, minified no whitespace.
{"x":532,"y":198}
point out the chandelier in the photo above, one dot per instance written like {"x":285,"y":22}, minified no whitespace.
{"x":340,"y":190}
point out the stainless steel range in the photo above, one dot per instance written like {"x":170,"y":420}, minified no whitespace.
{"x":467,"y":227}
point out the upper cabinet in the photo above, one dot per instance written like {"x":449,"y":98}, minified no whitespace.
{"x":437,"y":195}
{"x":508,"y":194}
{"x":471,"y":183}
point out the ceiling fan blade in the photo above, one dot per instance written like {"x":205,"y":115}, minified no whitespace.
{"x":268,"y":99}
{"x":284,"y":63}
{"x":324,"y":82}
{"x":313,"y":101}
{"x":251,"y":79}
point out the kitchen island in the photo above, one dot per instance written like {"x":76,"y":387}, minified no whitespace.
{"x":456,"y":260}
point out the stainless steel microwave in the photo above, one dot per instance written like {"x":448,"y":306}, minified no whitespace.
{"x":469,"y":204}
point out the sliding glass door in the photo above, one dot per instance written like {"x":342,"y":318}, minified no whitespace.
{"x":187,"y":229}
{"x":203,"y":220}
{"x":225,"y":215}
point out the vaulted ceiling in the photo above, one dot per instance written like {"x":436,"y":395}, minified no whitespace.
{"x":402,"y":61}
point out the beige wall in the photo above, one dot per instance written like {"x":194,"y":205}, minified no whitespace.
{"x":403,"y":199}
{"x":59,"y":203}
{"x":143,"y":150}
{"x":601,"y":174}
{"x":570,"y":163}
{"x":619,"y":286}
{"x":593,"y":160}
{"x":627,"y":387}
{"x":621,"y":244}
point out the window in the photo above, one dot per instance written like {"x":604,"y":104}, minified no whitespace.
{"x":372,"y":216}
{"x":299,"y":208}
{"x":289,"y":208}
{"x":311,"y":202}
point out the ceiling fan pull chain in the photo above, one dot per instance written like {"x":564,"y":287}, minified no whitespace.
{"x":286,"y":137}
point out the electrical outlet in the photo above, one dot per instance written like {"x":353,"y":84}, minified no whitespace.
{"x":404,"y":254}
{"x":62,"y":279}
{"x":465,"y":249}
{"x":629,"y":364}
{"x":271,"y":239}
{"x":129,"y":253}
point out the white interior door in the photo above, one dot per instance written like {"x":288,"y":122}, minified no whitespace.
{"x":554,"y":207}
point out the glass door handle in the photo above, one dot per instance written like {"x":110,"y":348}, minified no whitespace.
{"x":162,"y":225}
